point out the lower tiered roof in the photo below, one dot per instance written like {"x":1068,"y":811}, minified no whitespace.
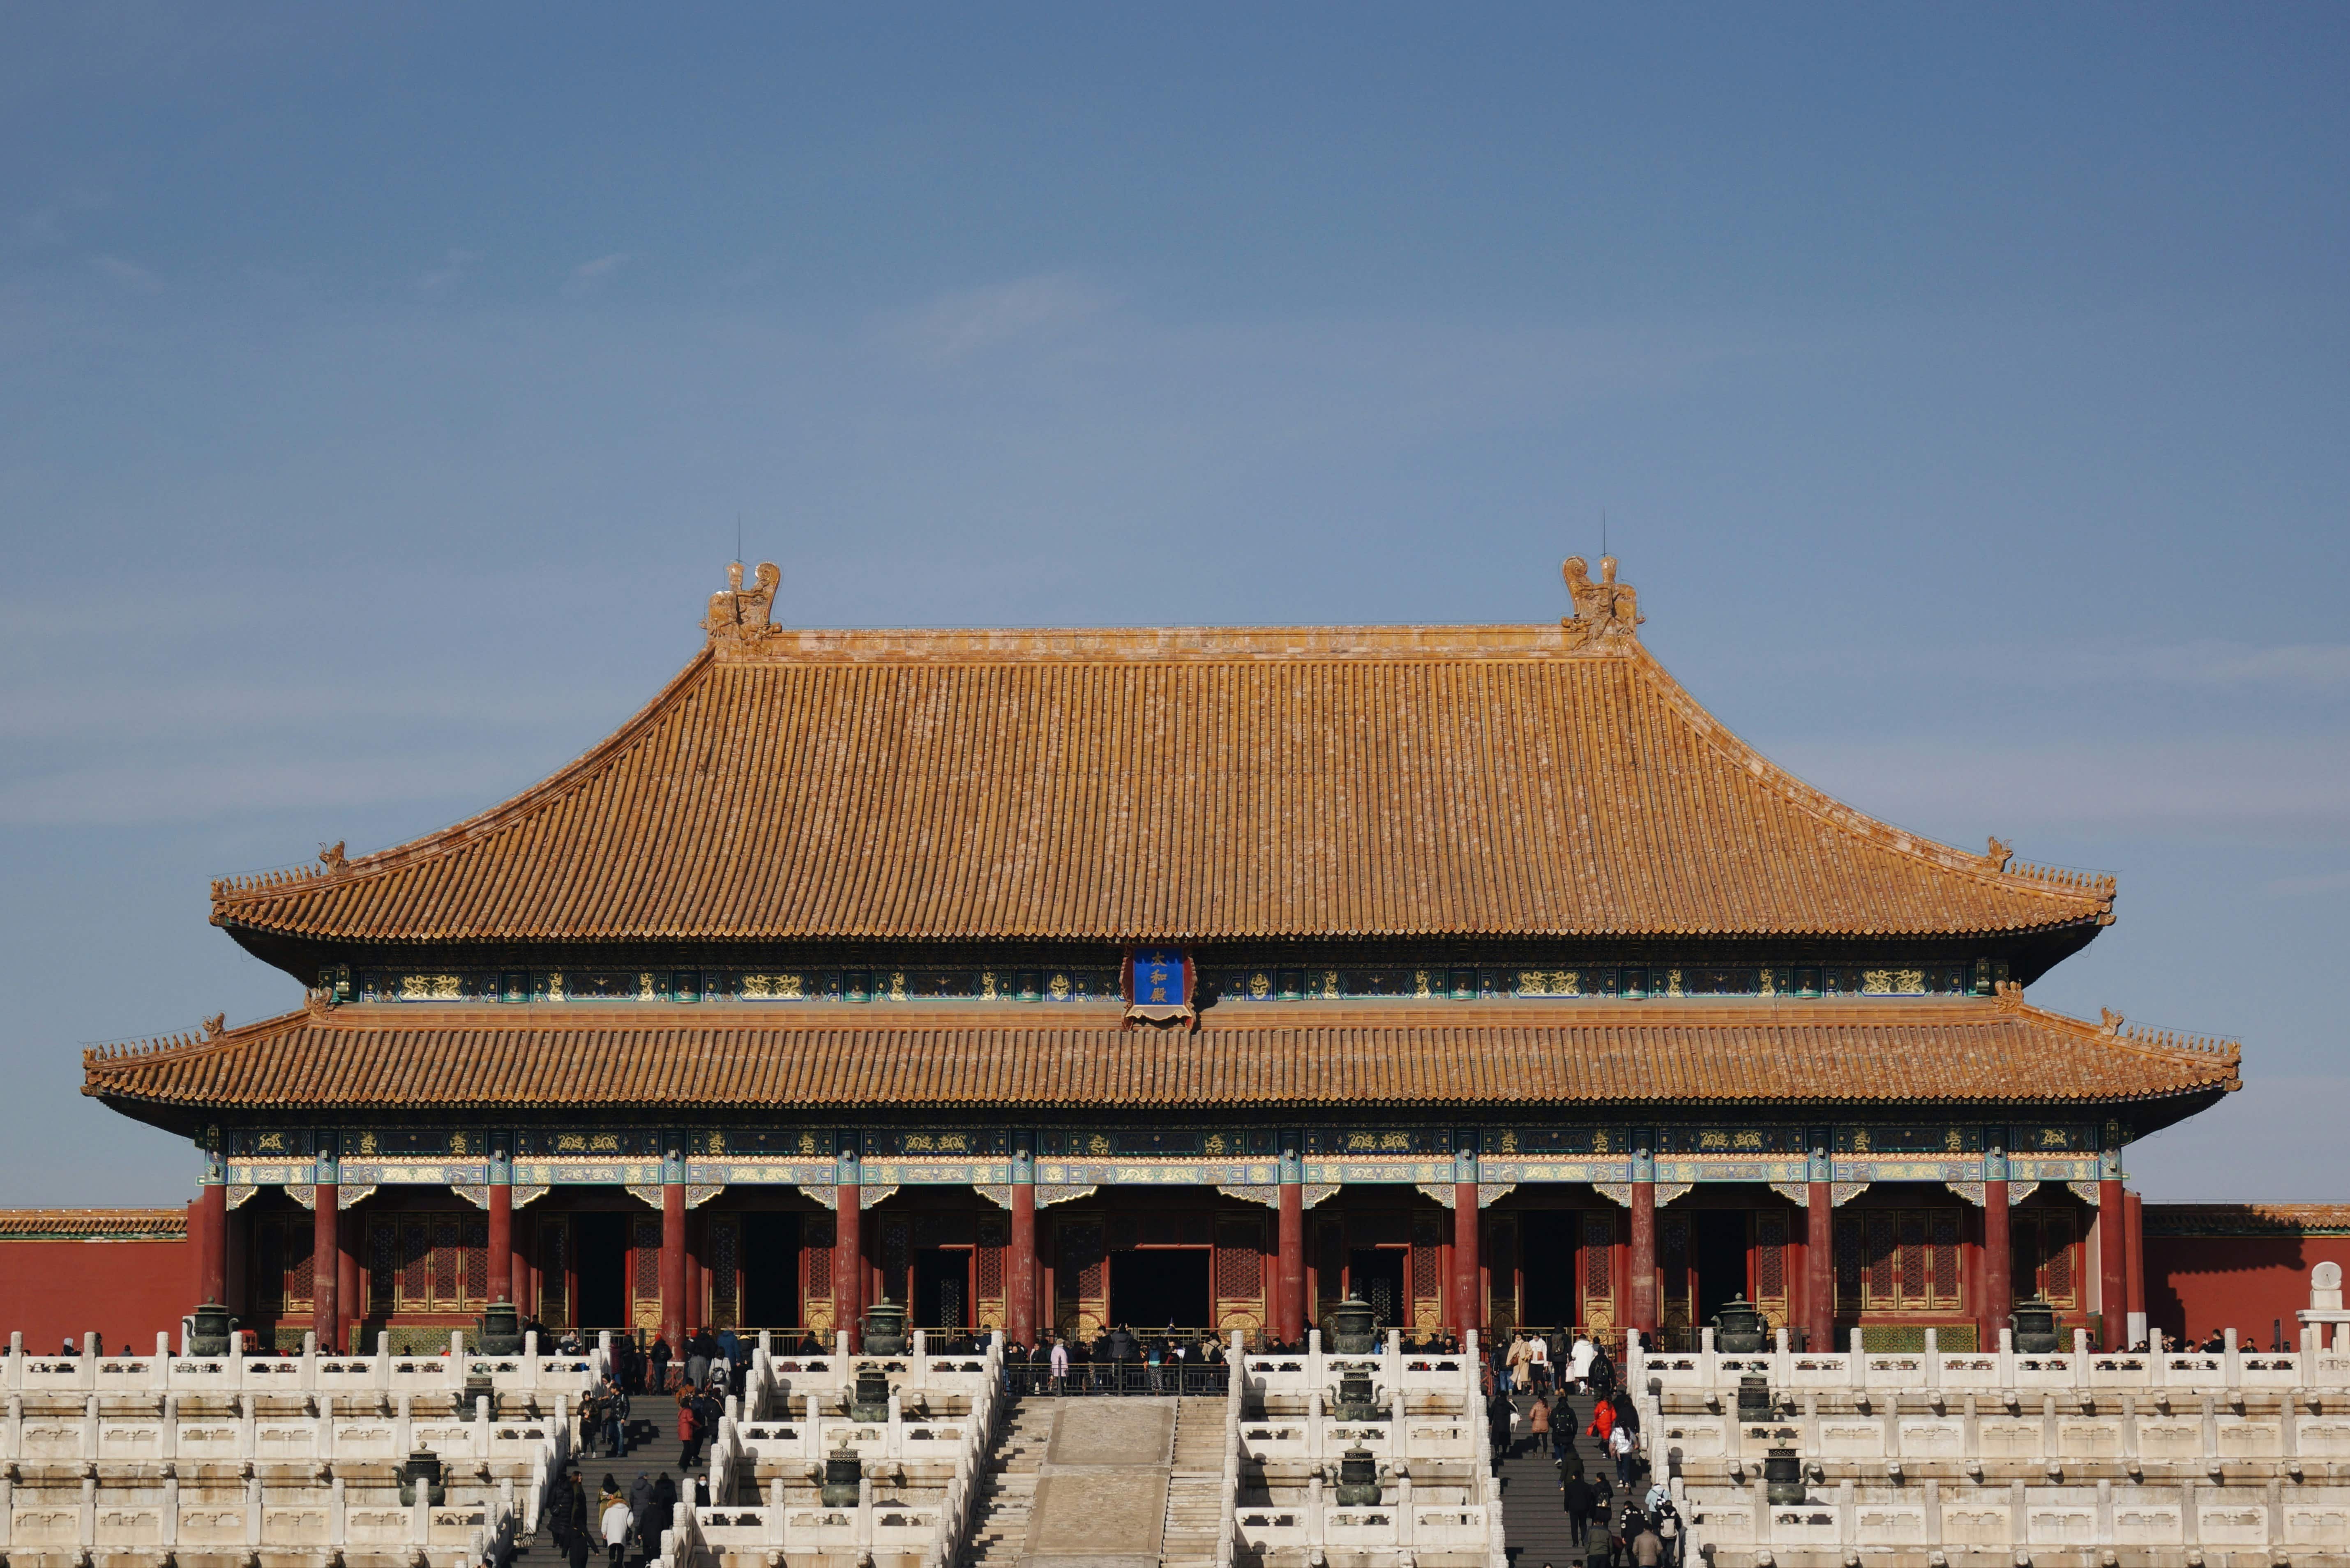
{"x":891,"y":1057}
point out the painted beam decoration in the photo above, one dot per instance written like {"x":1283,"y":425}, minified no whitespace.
{"x":1405,"y":1155}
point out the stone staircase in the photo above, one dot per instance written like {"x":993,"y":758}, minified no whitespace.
{"x":1195,"y":1491}
{"x":1008,"y":1491}
{"x":1535,"y":1524}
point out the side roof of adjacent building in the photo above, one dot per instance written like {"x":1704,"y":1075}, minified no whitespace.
{"x":1223,"y":784}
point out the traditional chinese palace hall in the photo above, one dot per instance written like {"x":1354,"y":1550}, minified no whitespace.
{"x":1054,"y":979}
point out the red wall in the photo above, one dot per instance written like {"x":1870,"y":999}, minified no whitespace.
{"x":130,"y":1291}
{"x":2197,"y":1284}
{"x":127,"y":1291}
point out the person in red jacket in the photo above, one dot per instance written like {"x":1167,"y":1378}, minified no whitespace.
{"x":689,"y":1430}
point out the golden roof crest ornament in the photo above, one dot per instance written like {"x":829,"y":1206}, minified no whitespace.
{"x":1605,"y":612}
{"x":737,"y":614}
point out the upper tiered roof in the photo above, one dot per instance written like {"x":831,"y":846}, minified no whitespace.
{"x":1188,"y":783}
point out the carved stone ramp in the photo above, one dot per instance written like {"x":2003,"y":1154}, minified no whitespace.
{"x":1101,"y":1495}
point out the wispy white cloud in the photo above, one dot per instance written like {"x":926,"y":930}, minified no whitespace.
{"x":452,"y":269}
{"x":958,"y":325}
{"x":128,"y":274}
{"x":591,"y":276}
{"x":2211,"y":662}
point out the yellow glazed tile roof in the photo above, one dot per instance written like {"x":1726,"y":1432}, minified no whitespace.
{"x":1184,"y":784}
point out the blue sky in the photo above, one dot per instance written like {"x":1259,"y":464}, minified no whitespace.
{"x":1967,"y":391}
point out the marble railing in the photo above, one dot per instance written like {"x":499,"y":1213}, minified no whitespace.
{"x":170,"y":1519}
{"x":2313,"y":1365}
{"x":2154,"y":1525}
{"x":1419,"y":1375}
{"x":523,"y":1374}
{"x":931,"y":1526}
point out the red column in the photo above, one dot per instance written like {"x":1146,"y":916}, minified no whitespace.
{"x":1467,"y":1260}
{"x":849,"y":1263}
{"x":1640,"y":1299}
{"x":501,"y":1260}
{"x":672,"y":1266}
{"x":2137,"y":1257}
{"x":1020,"y":1275}
{"x":1819,"y":1268}
{"x":326,"y":1266}
{"x":211,"y":1256}
{"x":2113,"y":1264}
{"x":346,"y":1278}
{"x":1998,"y":1262}
{"x":1289,"y":1272}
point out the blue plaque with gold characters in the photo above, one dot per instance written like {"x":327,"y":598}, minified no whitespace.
{"x":1159,"y":984}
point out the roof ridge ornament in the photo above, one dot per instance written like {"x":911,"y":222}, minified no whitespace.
{"x":2000,"y":853}
{"x":739,"y":615}
{"x":1607,"y":613}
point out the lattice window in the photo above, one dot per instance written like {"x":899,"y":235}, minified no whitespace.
{"x":1598,"y":1254}
{"x":1913,"y":1257}
{"x":1427,"y":1272}
{"x":2043,"y":1253}
{"x":1770,"y":1256}
{"x":427,"y":1262}
{"x":477,"y":1268}
{"x":1849,"y":1271}
{"x":300,"y":1241}
{"x":1240,"y":1258}
{"x":1898,"y":1260}
{"x":897,"y":1243}
{"x":383,"y":1268}
{"x":553,"y":1272}
{"x":725,"y":1277}
{"x":1330,"y":1264}
{"x":415,"y":1261}
{"x":816,"y":1257}
{"x":991,"y":1273}
{"x":1944,"y":1286}
{"x":646,"y":1251}
{"x":1079,"y":1277}
{"x":1502,"y":1270}
{"x":281,"y":1263}
{"x":448,"y":1260}
{"x":1880,"y":1259}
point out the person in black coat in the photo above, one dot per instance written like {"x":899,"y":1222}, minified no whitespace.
{"x":1581,"y":1501}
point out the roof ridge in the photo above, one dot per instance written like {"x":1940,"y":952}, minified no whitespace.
{"x":214,"y":1035}
{"x":2145,"y":1040}
{"x":1992,"y":868}
{"x":335,"y":866}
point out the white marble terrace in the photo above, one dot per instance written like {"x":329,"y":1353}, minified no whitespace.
{"x":1439,"y":1507}
{"x":2223,"y":1458}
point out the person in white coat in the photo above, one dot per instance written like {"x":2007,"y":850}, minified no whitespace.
{"x":613,"y":1525}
